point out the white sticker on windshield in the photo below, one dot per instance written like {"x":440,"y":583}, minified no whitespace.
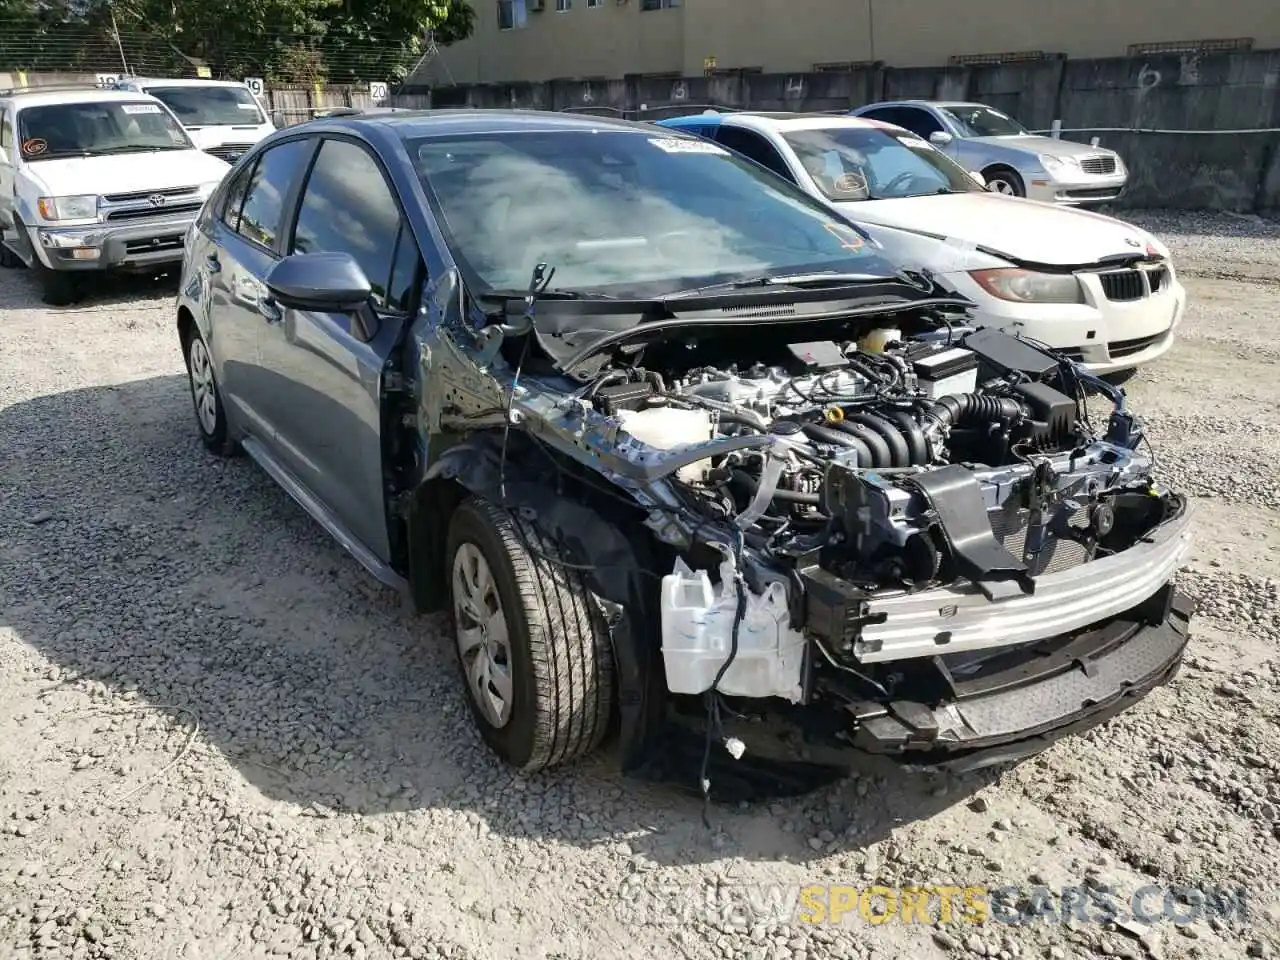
{"x":673,"y":145}
{"x":912,"y":141}
{"x":132,"y":108}
{"x":246,"y":106}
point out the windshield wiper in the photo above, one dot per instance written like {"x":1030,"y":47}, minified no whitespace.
{"x":810,"y":280}
{"x":132,"y":148}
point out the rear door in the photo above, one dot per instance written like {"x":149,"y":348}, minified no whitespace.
{"x":246,"y":245}
{"x":327,"y":376}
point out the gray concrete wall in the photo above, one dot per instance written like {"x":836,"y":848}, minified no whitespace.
{"x":1225,"y":92}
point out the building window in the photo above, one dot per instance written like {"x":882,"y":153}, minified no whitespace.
{"x":562,"y":6}
{"x":512,"y":14}
{"x":595,"y":3}
{"x":658,"y":4}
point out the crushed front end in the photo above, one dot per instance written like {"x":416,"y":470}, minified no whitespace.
{"x":909,"y":532}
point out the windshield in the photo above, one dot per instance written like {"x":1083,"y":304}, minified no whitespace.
{"x":97,"y":128}
{"x":979,"y":121}
{"x":850,"y":163}
{"x":627,"y":214}
{"x":211,"y":106}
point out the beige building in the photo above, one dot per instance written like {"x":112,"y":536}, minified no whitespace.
{"x":535,"y":40}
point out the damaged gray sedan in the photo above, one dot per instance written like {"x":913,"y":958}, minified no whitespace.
{"x":676,"y":444}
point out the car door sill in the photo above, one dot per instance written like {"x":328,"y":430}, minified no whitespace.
{"x":312,"y":504}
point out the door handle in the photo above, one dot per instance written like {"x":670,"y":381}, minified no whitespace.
{"x":212,"y":262}
{"x":269,"y":309}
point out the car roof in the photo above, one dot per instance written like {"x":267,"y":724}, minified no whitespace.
{"x":34,"y":96}
{"x":180,"y":82}
{"x":772,"y":121}
{"x":450,"y":122}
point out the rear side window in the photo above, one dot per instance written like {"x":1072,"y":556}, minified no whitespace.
{"x":274,"y":176}
{"x":6,"y":134}
{"x":754,"y":147}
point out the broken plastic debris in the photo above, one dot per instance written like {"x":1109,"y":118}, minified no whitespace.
{"x":735,"y":747}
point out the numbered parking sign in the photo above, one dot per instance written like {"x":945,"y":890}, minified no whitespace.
{"x":106,"y":80}
{"x":378,"y":91}
{"x":255,"y":85}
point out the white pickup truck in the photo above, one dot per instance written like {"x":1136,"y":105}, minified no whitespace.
{"x":94,"y":180}
{"x":223,"y":117}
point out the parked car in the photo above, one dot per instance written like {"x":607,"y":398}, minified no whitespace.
{"x":660,"y":429}
{"x":223,"y":117}
{"x":94,"y":180}
{"x":1100,"y":290}
{"x":1010,"y":158}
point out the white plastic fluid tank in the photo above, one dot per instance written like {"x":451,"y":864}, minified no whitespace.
{"x":668,"y":427}
{"x":697,"y":631}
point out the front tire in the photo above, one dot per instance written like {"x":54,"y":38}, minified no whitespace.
{"x":58,"y":288}
{"x":1006,"y":182}
{"x":206,"y":398}
{"x":533,"y":647}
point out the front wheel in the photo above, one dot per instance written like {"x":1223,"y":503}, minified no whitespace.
{"x":1006,"y":182}
{"x":533,"y":646}
{"x":58,"y":288}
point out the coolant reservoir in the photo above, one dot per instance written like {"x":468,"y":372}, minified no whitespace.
{"x":667,"y":428}
{"x":697,"y":637}
{"x":877,"y":340}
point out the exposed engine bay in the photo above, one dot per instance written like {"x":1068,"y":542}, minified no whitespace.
{"x":910,"y":532}
{"x":899,"y":466}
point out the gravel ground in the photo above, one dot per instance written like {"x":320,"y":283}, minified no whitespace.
{"x":219,"y":739}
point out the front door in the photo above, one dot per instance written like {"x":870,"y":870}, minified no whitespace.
{"x":8,"y":162}
{"x":328,"y":375}
{"x":246,"y":240}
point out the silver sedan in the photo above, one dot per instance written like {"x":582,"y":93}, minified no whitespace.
{"x":1010,"y":158}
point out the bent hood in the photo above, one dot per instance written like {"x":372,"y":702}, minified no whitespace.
{"x":1014,"y":228}
{"x":128,"y":172}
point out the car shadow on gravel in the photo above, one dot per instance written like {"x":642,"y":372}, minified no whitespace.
{"x":134,"y":559}
{"x":97,"y":290}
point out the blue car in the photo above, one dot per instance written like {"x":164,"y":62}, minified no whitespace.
{"x":672,"y":441}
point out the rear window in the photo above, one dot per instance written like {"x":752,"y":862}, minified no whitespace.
{"x":210,"y":106}
{"x":50,"y":131}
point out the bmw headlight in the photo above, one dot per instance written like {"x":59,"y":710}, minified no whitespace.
{"x":1027,"y":286}
{"x":68,"y":208}
{"x":1058,"y":167}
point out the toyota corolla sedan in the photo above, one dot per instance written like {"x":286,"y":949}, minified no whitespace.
{"x":1098,"y":289}
{"x":675,"y":444}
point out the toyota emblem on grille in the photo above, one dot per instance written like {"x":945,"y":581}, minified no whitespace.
{"x":156,"y":199}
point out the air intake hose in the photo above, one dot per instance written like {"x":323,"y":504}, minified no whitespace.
{"x":968,"y":407}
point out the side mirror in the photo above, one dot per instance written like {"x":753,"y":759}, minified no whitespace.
{"x":982,"y":181}
{"x":325,"y":282}
{"x":277,"y":119}
{"x":940,"y":138}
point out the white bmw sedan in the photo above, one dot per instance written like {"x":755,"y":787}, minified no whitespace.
{"x":1091,"y":286}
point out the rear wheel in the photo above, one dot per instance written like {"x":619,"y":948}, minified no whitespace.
{"x":211,"y":418}
{"x":533,"y":648}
